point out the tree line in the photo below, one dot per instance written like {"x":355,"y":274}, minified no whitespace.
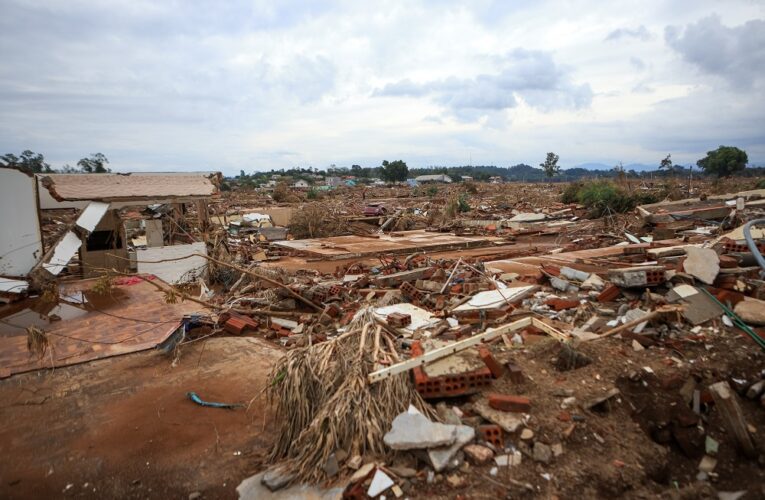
{"x":35,"y":162}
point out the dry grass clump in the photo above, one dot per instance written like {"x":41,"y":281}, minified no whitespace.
{"x":324,"y":403}
{"x":318,"y":220}
{"x":37,"y":341}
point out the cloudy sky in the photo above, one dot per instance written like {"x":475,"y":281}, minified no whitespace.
{"x":255,"y":85}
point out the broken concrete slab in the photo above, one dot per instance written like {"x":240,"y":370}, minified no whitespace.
{"x":702,"y":263}
{"x":492,"y":299}
{"x":253,"y":488}
{"x":440,"y":457}
{"x":413,"y":430}
{"x":509,"y":422}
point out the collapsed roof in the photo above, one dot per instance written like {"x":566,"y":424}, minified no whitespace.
{"x":118,"y":187}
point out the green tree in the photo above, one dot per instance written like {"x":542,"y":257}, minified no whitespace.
{"x":357,"y":171}
{"x":724,"y":161}
{"x":395,"y":171}
{"x":666,"y":163}
{"x":550,"y":165}
{"x":94,"y":164}
{"x":28,"y":160}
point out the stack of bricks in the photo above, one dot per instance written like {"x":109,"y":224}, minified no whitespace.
{"x":452,"y":385}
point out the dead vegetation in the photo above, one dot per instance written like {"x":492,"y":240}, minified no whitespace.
{"x":324,"y":404}
{"x":318,"y":220}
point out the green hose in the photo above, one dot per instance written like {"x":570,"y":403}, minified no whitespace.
{"x":738,"y":321}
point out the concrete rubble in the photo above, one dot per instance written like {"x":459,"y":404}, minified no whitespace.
{"x":519,"y":334}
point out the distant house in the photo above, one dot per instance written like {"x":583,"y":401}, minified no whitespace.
{"x":466,"y":178}
{"x":334,"y":181}
{"x":495,"y":180}
{"x":301,"y":184}
{"x":425,"y":179}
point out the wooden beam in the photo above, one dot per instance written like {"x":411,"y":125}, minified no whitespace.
{"x":730,"y":411}
{"x":549,"y":330}
{"x":448,"y":350}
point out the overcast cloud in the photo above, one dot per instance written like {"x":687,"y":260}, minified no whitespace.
{"x":207,"y":85}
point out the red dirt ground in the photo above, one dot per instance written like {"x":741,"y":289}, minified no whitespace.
{"x":123,"y":427}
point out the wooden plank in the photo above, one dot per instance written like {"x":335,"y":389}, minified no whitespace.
{"x":448,"y":350}
{"x":730,"y":411}
{"x":549,"y":330}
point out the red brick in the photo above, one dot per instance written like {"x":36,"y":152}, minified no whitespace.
{"x":561,"y":304}
{"x":238,"y":323}
{"x":506,"y":402}
{"x":611,"y":292}
{"x":492,"y":434}
{"x":516,"y":374}
{"x":491,"y":362}
{"x":728,"y":262}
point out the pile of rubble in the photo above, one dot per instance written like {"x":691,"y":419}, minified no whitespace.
{"x":516,"y":348}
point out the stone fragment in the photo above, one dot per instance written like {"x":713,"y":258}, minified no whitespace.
{"x":404,"y":472}
{"x":354,"y":462}
{"x":363,"y":472}
{"x":542,"y":453}
{"x":331,"y":468}
{"x":702,"y":263}
{"x":253,"y":488}
{"x":440,"y":457}
{"x":527,"y":434}
{"x":509,"y":422}
{"x":477,"y":454}
{"x":276,"y":478}
{"x":707,"y":464}
{"x":380,"y":482}
{"x":752,"y":311}
{"x":413,"y":430}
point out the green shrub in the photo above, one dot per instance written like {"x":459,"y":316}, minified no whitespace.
{"x":462,"y":204}
{"x":312,"y":194}
{"x":760,"y":184}
{"x":431,"y":191}
{"x":571,"y":193}
{"x":602,"y":197}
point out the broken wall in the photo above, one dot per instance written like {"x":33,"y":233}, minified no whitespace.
{"x":20,"y":241}
{"x":173,"y":271}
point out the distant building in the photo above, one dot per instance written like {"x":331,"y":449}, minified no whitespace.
{"x":334,"y":181}
{"x":496,"y":179}
{"x":466,"y":178}
{"x":442,"y":178}
{"x":301,"y":184}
